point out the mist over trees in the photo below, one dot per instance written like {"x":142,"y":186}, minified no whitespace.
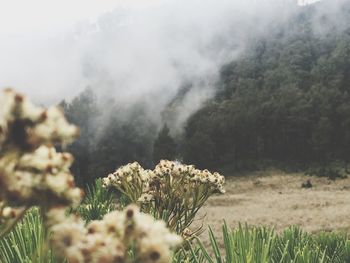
{"x":284,"y":100}
{"x":107,"y":142}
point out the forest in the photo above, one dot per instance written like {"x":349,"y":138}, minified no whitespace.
{"x":284,"y":101}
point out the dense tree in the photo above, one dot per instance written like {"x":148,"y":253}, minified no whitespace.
{"x":83,"y":112}
{"x":164,"y":146}
{"x":107,"y":141}
{"x":286,"y":99}
{"x":119,"y":144}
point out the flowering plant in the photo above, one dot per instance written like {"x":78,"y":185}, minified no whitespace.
{"x":172,"y":191}
{"x":33,"y":173}
{"x":110,"y":239}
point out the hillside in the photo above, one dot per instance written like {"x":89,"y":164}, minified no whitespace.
{"x":286,"y":99}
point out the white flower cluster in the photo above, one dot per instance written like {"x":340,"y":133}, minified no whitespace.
{"x":31,"y":171}
{"x":130,"y":173}
{"x":173,"y":191}
{"x":134,"y":176}
{"x":188,"y":173}
{"x":37,"y":177}
{"x":26,"y":126}
{"x":109,"y":240}
{"x":131,"y":179}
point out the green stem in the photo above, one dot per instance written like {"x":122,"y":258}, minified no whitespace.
{"x":12,"y":224}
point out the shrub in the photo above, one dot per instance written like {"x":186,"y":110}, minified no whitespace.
{"x":172,"y":191}
{"x":333,"y":170}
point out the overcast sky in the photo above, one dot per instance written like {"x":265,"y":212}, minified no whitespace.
{"x":35,"y":58}
{"x":19,"y":16}
{"x":44,"y":54}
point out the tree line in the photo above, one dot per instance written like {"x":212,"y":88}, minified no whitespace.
{"x":287,"y":100}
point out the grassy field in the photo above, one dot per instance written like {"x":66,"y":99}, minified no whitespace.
{"x":276,"y":199}
{"x":268,"y":217}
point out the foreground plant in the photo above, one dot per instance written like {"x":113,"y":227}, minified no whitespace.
{"x":262,"y":245}
{"x":109,"y":240}
{"x":96,"y":203}
{"x":173,"y":191}
{"x":26,"y":243}
{"x":33,"y":173}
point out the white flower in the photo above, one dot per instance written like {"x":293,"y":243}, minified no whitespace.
{"x":108,"y":240}
{"x":55,"y":215}
{"x":146,"y":198}
{"x":8,"y":212}
{"x":65,"y":235}
{"x":55,"y":128}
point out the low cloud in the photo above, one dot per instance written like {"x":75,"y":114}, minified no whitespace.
{"x":140,"y":54}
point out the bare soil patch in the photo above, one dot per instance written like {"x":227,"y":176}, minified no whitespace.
{"x":277,"y":199}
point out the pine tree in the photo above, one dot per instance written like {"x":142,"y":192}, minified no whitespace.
{"x":164,"y":146}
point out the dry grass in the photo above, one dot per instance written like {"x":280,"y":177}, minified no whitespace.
{"x":276,"y":199}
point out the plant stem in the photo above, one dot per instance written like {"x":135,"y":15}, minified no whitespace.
{"x":9,"y":227}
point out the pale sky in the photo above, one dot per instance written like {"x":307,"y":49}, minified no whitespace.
{"x":45,"y":53}
{"x":26,"y":16}
{"x":29,"y":16}
{"x":304,"y":2}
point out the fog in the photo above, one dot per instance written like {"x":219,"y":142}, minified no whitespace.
{"x":136,"y":54}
